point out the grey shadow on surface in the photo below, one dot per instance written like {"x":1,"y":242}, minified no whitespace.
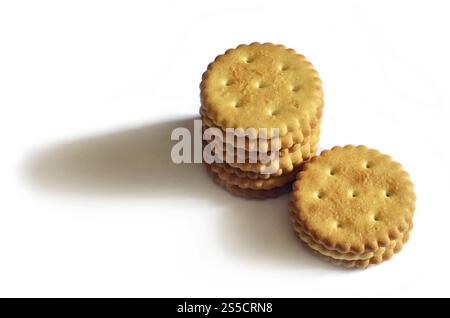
{"x":136,"y":162}
{"x":131,"y":162}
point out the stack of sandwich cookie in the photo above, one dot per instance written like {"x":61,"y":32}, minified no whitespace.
{"x":261,"y":86}
{"x":353,"y":206}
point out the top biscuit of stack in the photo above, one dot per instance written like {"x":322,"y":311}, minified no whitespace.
{"x":263,"y":86}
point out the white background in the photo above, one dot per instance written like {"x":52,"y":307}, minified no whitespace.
{"x":91,"y":204}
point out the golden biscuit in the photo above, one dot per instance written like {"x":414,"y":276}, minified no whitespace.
{"x":288,"y":161}
{"x":353,"y":199}
{"x":250,"y":193}
{"x":285,"y":142}
{"x":255,"y":184}
{"x":246,"y":174}
{"x":262,"y":86}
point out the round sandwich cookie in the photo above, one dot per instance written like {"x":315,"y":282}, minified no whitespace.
{"x":353,"y":205}
{"x":260,"y":194}
{"x":256,"y":184}
{"x":288,"y":141}
{"x":262,"y":86}
{"x":288,"y":159}
{"x":248,"y":174}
